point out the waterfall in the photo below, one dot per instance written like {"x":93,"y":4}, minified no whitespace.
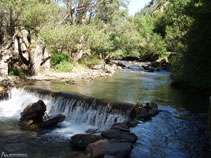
{"x":80,"y":111}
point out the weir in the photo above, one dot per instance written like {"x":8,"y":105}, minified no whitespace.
{"x":78,"y":109}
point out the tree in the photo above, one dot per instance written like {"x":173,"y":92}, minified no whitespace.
{"x":22,"y":20}
{"x":193,"y":66}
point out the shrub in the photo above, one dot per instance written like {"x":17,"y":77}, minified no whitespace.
{"x":58,"y":58}
{"x":16,"y":72}
{"x":63,"y":66}
{"x":71,"y":38}
{"x":91,"y":61}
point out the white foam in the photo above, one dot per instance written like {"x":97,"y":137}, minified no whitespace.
{"x":80,"y":116}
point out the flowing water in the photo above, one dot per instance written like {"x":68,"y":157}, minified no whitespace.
{"x":180,"y":131}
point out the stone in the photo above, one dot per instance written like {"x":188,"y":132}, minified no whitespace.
{"x":110,"y":69}
{"x":34,"y":111}
{"x":98,"y":67}
{"x":52,"y":122}
{"x":81,"y":141}
{"x":147,"y":116}
{"x":4,"y":95}
{"x":151,"y":105}
{"x":33,"y":114}
{"x":109,"y":148}
{"x":92,"y":131}
{"x":120,"y":135}
{"x":123,"y":126}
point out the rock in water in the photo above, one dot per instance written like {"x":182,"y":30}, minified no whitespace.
{"x":105,"y":148}
{"x":32,"y":117}
{"x":52,"y":122}
{"x":81,"y":141}
{"x":152,"y":105}
{"x":120,"y":135}
{"x":34,"y":112}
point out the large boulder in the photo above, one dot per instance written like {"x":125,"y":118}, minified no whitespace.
{"x":109,"y":148}
{"x":32,"y":117}
{"x":123,"y":136}
{"x":34,"y":111}
{"x":81,"y":141}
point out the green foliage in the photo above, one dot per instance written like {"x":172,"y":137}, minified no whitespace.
{"x":16,"y":72}
{"x":63,"y":66}
{"x":152,"y":43}
{"x":183,"y":27}
{"x":61,"y":62}
{"x":111,"y":11}
{"x":37,"y":15}
{"x":193,"y":66}
{"x":174,"y":24}
{"x":58,"y":58}
{"x":91,"y":61}
{"x":74,"y":38}
{"x":126,"y":41}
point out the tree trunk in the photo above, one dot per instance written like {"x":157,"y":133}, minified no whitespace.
{"x":5,"y":54}
{"x":35,"y":60}
{"x":46,"y":62}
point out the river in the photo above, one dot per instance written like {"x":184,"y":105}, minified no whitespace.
{"x":179,"y":131}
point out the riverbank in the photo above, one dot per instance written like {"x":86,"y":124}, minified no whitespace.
{"x":85,"y":74}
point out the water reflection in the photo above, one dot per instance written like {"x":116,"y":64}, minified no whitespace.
{"x":134,"y":86}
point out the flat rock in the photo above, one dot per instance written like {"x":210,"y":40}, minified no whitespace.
{"x":81,"y":141}
{"x":118,"y":134}
{"x":107,"y":148}
{"x":52,"y":122}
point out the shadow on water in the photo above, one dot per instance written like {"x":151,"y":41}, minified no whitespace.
{"x":180,"y":131}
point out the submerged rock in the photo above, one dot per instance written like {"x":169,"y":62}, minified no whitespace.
{"x":81,"y":141}
{"x":109,"y":148}
{"x":120,"y":135}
